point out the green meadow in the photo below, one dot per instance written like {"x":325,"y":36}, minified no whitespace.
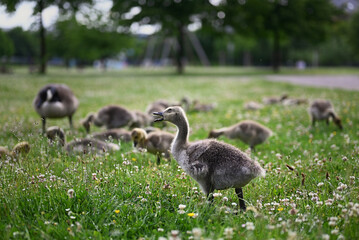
{"x":311,"y":188}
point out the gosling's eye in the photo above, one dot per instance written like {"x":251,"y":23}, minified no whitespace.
{"x":169,"y":110}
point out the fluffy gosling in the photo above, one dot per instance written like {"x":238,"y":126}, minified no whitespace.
{"x":84,"y":145}
{"x":157,"y":142}
{"x":113,"y":116}
{"x":20,"y":149}
{"x":213,"y":164}
{"x":323,"y":110}
{"x":250,"y":132}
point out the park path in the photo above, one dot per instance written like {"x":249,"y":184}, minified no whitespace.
{"x":348,"y":82}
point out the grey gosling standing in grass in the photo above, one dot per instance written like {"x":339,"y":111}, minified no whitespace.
{"x":196,"y":105}
{"x":113,"y":116}
{"x":213,"y":164}
{"x":22,"y":148}
{"x":295,"y":101}
{"x":84,"y":145}
{"x":250,"y":132}
{"x":251,"y":105}
{"x":55,"y":101}
{"x":119,"y":134}
{"x":157,"y":142}
{"x":275,"y":100}
{"x":159,"y":105}
{"x":323,"y":110}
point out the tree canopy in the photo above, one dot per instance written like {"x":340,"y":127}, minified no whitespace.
{"x":280,"y":20}
{"x":64,"y":5}
{"x":173,"y":17}
{"x":72,"y":40}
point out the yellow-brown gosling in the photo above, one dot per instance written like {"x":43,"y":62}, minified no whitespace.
{"x":157,"y":142}
{"x":22,"y":148}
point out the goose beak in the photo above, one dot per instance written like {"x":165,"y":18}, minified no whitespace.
{"x":158,"y":116}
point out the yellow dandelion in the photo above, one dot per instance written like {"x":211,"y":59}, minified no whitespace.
{"x":280,"y":209}
{"x":334,"y":133}
{"x":190,"y":214}
{"x":114,"y":221}
{"x":117,"y":211}
{"x":134,"y":159}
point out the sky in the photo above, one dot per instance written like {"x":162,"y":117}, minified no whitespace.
{"x":23,"y":16}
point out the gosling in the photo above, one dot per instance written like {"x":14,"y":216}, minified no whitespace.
{"x":323,"y":110}
{"x":159,"y":105}
{"x":250,"y":132}
{"x":113,"y":116}
{"x":274,"y":100}
{"x":84,"y":145}
{"x":251,"y":105}
{"x":119,"y":134}
{"x":55,"y":101}
{"x":196,"y":105}
{"x":157,"y":142}
{"x":213,"y":164}
{"x":20,"y":149}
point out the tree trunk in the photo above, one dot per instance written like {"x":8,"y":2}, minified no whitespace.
{"x":42,"y":69}
{"x":276,"y":51}
{"x":180,"y":49}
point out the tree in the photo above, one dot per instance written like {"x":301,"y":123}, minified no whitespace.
{"x":6,"y":50}
{"x":354,"y":33}
{"x":24,"y":44}
{"x":64,"y":6}
{"x":280,"y":20}
{"x":173,"y":16}
{"x":73,"y":40}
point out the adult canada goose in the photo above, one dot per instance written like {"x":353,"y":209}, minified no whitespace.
{"x":323,"y":110}
{"x":84,"y":145}
{"x":113,"y":134}
{"x":22,"y":148}
{"x":55,"y":101}
{"x":114,"y":116}
{"x":213,"y":164}
{"x":275,"y":100}
{"x":157,"y":142}
{"x":250,"y":132}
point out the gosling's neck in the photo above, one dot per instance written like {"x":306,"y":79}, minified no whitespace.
{"x":181,"y":139}
{"x":219,"y":132}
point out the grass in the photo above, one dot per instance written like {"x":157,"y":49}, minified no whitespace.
{"x":125,"y":195}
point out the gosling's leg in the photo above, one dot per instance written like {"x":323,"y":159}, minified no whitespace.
{"x":313,"y":122}
{"x":208,"y":191}
{"x":242,"y":204}
{"x":327,"y":121}
{"x":252,"y":148}
{"x":43,"y":125}
{"x":158,"y":159}
{"x":70,"y":121}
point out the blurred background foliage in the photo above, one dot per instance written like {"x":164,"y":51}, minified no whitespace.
{"x":216,"y":32}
